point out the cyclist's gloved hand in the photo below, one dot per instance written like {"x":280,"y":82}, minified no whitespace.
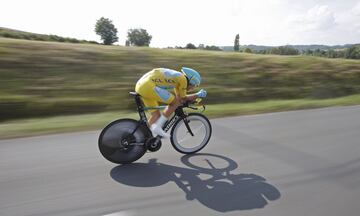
{"x":202,"y":93}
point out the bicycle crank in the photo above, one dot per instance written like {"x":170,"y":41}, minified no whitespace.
{"x":153,"y":144}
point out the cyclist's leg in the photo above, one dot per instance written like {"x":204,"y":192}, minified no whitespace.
{"x":151,"y":96}
{"x":149,"y":99}
{"x":171,"y":107}
{"x":154,"y":114}
{"x":165,"y":97}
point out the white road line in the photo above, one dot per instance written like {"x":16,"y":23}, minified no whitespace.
{"x":121,"y":213}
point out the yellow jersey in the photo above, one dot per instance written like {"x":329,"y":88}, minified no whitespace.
{"x":156,"y":84}
{"x":165,"y":79}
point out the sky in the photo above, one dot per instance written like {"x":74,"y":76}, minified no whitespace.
{"x":178,"y":22}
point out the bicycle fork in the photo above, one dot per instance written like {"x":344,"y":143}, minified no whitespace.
{"x":186,"y":122}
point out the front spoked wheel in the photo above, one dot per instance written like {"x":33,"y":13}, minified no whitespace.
{"x":191,"y":134}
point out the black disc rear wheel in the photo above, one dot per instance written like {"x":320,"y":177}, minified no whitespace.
{"x":119,"y":143}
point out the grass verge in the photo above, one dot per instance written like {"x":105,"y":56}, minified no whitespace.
{"x":42,"y":79}
{"x":41,"y":126}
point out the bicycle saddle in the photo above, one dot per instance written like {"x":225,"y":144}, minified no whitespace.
{"x":134,"y":94}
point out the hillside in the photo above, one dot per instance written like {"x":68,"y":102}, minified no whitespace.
{"x":12,"y":33}
{"x":50,"y":78}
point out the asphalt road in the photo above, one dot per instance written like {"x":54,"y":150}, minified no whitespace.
{"x":291,"y":163}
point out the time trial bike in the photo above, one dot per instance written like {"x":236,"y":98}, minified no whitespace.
{"x":126,"y":140}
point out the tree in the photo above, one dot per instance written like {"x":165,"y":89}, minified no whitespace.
{"x":284,"y":50}
{"x":237,"y":43}
{"x":107,"y":31}
{"x":309,"y":52}
{"x":353,"y":52}
{"x":248,"y":50}
{"x":139,"y":37}
{"x":190,"y":46}
{"x":331,"y":53}
{"x":288,"y":50}
{"x":127,"y":43}
{"x":212,"y":47}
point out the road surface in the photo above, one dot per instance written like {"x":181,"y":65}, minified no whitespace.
{"x":290,"y":163}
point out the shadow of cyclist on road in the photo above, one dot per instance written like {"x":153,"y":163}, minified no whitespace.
{"x":212,"y":183}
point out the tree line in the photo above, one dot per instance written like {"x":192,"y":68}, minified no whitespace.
{"x":352,"y":52}
{"x":108,"y":33}
{"x":348,"y":53}
{"x":201,"y":47}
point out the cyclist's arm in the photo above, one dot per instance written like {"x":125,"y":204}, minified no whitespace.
{"x":181,"y":89}
{"x":189,"y":97}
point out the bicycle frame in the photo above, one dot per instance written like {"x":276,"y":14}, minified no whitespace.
{"x":126,"y":140}
{"x":179,"y":113}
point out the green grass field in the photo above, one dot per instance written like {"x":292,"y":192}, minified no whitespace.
{"x":58,"y":124}
{"x":48,"y":79}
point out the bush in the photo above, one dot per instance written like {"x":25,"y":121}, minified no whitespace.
{"x":283,"y":50}
{"x":214,"y":48}
{"x":248,"y":50}
{"x":190,"y":46}
{"x":353,"y":52}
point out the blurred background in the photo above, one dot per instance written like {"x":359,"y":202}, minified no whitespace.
{"x":70,"y":66}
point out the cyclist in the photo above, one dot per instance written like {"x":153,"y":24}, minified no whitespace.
{"x":155,"y":87}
